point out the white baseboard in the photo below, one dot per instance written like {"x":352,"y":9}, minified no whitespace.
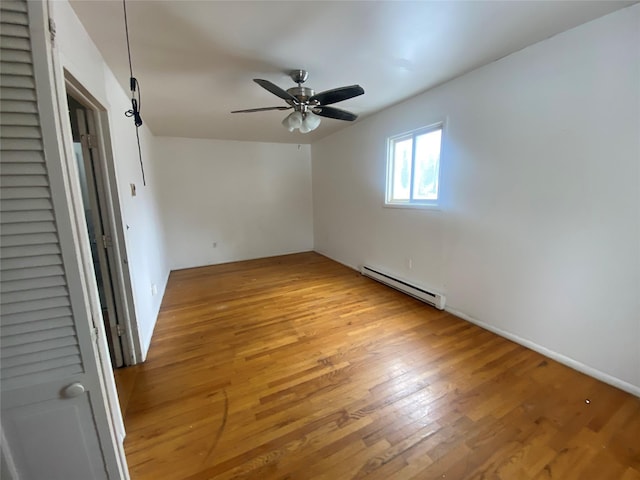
{"x":569,"y":362}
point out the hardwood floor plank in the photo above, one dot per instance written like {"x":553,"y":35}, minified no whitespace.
{"x":296,"y":368}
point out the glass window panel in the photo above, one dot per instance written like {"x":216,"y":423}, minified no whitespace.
{"x":401,"y":169}
{"x":425,"y":181}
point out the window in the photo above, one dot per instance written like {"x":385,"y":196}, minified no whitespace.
{"x":413,"y":167}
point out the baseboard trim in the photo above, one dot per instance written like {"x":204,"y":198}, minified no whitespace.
{"x":568,"y":361}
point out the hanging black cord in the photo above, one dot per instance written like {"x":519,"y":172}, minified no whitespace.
{"x":136,"y":103}
{"x":126,"y":31}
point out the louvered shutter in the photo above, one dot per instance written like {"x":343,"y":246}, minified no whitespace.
{"x":37,"y":334}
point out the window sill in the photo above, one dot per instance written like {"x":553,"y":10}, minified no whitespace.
{"x":415,"y":206}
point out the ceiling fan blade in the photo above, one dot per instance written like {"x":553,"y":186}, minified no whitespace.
{"x":276,"y":90}
{"x":337,"y":94}
{"x":331,"y":112}
{"x":264,"y":109}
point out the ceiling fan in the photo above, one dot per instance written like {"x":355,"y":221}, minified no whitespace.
{"x":307,"y":105}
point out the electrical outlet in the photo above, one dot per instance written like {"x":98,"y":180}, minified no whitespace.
{"x":154,"y":289}
{"x":410,"y":263}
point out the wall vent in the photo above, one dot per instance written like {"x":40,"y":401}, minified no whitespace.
{"x":434,"y":299}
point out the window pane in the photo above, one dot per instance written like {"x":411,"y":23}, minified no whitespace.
{"x":425,"y":181}
{"x":401,"y":169}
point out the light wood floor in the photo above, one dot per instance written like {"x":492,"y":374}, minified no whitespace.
{"x":296,"y":367}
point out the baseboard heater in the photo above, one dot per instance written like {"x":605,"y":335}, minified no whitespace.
{"x":434,"y":299}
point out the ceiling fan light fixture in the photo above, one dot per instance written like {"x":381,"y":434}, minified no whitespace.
{"x":292,"y":121}
{"x":304,"y":128}
{"x":305,"y":122}
{"x":312,"y":121}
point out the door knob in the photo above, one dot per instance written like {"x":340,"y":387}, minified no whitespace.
{"x":73,"y":390}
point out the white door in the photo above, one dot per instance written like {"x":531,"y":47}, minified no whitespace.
{"x":97,"y":229}
{"x":56,"y":421}
{"x":53,"y":438}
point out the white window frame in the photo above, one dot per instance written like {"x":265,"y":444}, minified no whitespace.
{"x":412,"y":203}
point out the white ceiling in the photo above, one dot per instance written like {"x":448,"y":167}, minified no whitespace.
{"x":195,"y":60}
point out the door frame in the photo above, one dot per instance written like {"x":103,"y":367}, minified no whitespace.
{"x":102,"y":206}
{"x":132,"y":346}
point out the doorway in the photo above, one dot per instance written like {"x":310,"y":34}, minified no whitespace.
{"x":94,"y":202}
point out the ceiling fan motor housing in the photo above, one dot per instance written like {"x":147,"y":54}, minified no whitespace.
{"x":301,"y":93}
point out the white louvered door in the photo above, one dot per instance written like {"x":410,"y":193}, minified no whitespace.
{"x":54,"y":417}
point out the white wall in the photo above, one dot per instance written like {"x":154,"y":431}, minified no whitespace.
{"x":141,"y":219}
{"x":538,"y":236}
{"x":251,"y":199}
